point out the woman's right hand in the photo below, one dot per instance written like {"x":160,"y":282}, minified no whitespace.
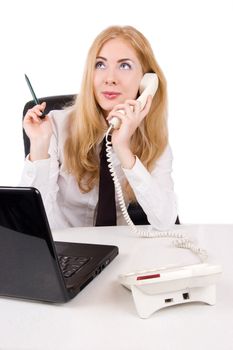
{"x":36,"y":128}
{"x":39,"y":132}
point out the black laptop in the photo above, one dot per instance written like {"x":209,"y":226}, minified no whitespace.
{"x":32,"y":265}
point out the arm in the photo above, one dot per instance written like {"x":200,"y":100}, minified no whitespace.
{"x":154,"y":191}
{"x":43,"y":173}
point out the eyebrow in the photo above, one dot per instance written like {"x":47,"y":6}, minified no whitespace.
{"x":119,"y":61}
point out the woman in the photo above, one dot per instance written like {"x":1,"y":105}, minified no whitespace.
{"x":64,"y":154}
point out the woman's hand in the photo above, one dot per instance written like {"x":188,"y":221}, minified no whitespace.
{"x":35,"y":127}
{"x":39,"y":132}
{"x":130,"y":120}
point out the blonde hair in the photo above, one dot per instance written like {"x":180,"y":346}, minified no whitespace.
{"x":86,"y":127}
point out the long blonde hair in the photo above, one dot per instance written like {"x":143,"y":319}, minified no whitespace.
{"x":86,"y":127}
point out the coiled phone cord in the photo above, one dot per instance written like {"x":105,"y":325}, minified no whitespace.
{"x":181,"y":241}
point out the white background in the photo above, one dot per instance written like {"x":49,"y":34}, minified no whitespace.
{"x":192,"y":41}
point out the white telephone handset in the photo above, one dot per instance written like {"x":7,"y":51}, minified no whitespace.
{"x":148,"y":86}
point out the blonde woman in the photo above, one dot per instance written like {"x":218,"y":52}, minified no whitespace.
{"x":64,"y":146}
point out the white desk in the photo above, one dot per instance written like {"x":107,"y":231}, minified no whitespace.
{"x":103,"y":315}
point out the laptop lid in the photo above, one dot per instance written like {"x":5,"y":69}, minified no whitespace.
{"x":29,"y":262}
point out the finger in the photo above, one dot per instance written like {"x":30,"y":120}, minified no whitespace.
{"x":119,"y":115}
{"x":42,"y":106}
{"x":146,"y":109}
{"x":132,"y":106}
{"x":118,"y":107}
{"x":115,"y":112}
{"x":132,"y":103}
{"x":38,"y":109}
{"x":137,"y":107}
{"x":32,"y":115}
{"x":130,"y":110}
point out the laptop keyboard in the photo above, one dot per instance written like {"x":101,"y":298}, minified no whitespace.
{"x":71,"y":264}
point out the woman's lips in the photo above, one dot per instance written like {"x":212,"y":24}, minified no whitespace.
{"x":110,"y":95}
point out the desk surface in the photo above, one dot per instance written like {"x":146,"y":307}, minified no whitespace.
{"x":103,"y":315}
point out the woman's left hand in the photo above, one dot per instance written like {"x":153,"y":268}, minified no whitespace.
{"x":131,"y":118}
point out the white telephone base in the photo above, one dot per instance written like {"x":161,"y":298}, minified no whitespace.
{"x":167,"y":286}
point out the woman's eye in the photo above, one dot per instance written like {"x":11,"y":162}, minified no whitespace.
{"x":99,"y":65}
{"x":125,"y":66}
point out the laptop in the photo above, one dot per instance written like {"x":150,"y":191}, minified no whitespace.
{"x":32,"y":265}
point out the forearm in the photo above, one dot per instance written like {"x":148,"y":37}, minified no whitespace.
{"x":125,"y":156}
{"x":39,"y":149}
{"x":154,"y":192}
{"x":36,"y":174}
{"x":41,"y":167}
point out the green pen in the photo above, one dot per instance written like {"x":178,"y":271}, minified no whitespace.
{"x":34,"y":95}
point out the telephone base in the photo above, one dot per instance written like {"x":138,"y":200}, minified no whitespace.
{"x":146,"y":304}
{"x":166,"y":286}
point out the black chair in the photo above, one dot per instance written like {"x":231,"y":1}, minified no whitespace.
{"x":58,"y":102}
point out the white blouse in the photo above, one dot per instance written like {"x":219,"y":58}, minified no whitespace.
{"x":67,"y":206}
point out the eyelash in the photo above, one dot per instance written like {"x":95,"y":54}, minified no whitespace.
{"x":97,"y":65}
{"x":127,"y":64}
{"x":100,"y":64}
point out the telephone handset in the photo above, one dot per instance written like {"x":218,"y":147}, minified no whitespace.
{"x":148,"y":86}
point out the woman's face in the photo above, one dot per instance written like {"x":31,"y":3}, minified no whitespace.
{"x":117,"y":74}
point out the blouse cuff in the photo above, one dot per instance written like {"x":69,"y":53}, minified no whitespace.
{"x":37,"y":170}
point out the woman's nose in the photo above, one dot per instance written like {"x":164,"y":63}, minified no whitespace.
{"x":110,"y":78}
